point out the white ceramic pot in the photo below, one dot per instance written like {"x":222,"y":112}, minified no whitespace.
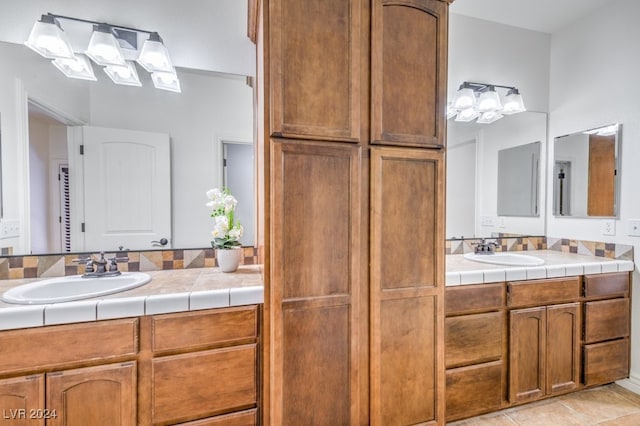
{"x":229,"y":259}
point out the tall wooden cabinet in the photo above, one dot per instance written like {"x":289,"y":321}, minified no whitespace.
{"x":351,"y":115}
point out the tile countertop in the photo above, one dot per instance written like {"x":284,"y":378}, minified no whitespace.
{"x":461,"y":271}
{"x":168,"y":291}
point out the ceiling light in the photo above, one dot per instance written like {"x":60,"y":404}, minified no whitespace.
{"x":126,"y":74}
{"x":451,"y":111}
{"x":513,"y":102}
{"x":489,"y":117}
{"x":468,"y":114}
{"x":154,"y":56}
{"x":166,"y":81}
{"x":103,"y":47}
{"x":78,"y":67}
{"x":48,"y":39}
{"x":489,"y":100}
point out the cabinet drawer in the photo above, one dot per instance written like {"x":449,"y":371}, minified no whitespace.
{"x":202,"y":384}
{"x":606,"y":362}
{"x":473,"y":298}
{"x":543,"y":292}
{"x":472,"y":339}
{"x":473,"y":390}
{"x":606,"y":285}
{"x":65,"y":344}
{"x":606,"y":319}
{"x":200,"y":329}
{"x":242,"y":418}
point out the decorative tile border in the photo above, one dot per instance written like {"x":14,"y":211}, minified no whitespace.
{"x":59,"y":265}
{"x":504,"y":244}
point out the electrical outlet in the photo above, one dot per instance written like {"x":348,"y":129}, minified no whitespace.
{"x":487,"y":221}
{"x":634,"y":227}
{"x":608,"y":227}
{"x":10,"y":229}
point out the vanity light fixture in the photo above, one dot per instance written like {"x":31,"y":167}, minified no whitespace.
{"x":113,"y":47}
{"x":482,"y":101}
{"x":49,"y":39}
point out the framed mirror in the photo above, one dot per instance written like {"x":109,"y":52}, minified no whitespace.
{"x":586,"y":173}
{"x":519,"y":180}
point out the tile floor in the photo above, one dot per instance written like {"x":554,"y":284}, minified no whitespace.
{"x":606,"y":405}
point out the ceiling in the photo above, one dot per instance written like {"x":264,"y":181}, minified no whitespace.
{"x":547,"y":16}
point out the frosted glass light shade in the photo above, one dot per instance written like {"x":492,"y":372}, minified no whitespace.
{"x":103,"y":47}
{"x":154,"y":56}
{"x":451,"y":111}
{"x":464,"y":98}
{"x":468,"y":114}
{"x":513,"y":103}
{"x":489,"y":101}
{"x":489,"y":117}
{"x":78,"y":67}
{"x":49,"y":40}
{"x":126,"y":75}
{"x":166,"y":81}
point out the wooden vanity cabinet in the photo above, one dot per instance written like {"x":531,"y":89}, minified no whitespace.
{"x":607,"y":318}
{"x":19,"y":398}
{"x":475,"y":345}
{"x":544,"y":341}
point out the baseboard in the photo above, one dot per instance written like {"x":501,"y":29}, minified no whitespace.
{"x":632,"y":384}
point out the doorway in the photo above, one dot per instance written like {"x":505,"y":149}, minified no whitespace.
{"x":238,"y":176}
{"x":562,"y":188}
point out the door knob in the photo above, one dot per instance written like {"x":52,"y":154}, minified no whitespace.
{"x":163,"y":242}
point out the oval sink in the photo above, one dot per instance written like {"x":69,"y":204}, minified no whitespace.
{"x":65,"y":289}
{"x":506,"y":258}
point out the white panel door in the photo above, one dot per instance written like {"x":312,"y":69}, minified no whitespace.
{"x":127,"y":189}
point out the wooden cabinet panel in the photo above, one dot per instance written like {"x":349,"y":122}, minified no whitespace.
{"x":473,"y":339}
{"x":408,"y":68}
{"x":528,"y":337}
{"x":315,"y":75}
{"x":543,"y":292}
{"x":474,"y":390}
{"x":601,"y":192}
{"x":606,"y":319}
{"x":242,"y":418}
{"x":20,"y":395}
{"x":102,"y":395}
{"x":606,"y":362}
{"x":65,"y":344}
{"x":474,"y":298}
{"x":206,"y":328}
{"x":406,"y":382}
{"x":407,"y":204}
{"x":563,"y":348}
{"x":316,"y":355}
{"x":200,"y":384}
{"x":610,"y":285}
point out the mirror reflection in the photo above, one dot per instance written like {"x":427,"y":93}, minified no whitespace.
{"x":519,"y":180}
{"x":473,"y":177}
{"x":212,"y":116}
{"x":586,"y":173}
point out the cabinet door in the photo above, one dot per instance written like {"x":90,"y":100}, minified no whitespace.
{"x":563,"y":348}
{"x":314,"y":61}
{"x":18,"y":396}
{"x":527,"y":343}
{"x":315,"y":294}
{"x":407,"y":286}
{"x":98,"y":396}
{"x":408,"y":72}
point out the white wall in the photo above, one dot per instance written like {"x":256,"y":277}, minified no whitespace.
{"x":39,"y":178}
{"x":594,"y":68}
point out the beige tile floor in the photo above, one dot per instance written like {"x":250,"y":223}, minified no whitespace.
{"x":605,"y":405}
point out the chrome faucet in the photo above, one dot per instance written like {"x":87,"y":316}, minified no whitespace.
{"x":484,"y":247}
{"x":101,"y":267}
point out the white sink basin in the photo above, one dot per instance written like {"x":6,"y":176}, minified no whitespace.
{"x":65,"y":289}
{"x":506,"y":258}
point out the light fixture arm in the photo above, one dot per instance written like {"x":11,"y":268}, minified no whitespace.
{"x":481,"y":87}
{"x":70,"y":18}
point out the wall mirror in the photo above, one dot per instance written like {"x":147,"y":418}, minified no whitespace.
{"x":482,"y":161}
{"x":586,"y":173}
{"x":213,"y":110}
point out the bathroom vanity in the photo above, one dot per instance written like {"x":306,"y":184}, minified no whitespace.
{"x":513,"y":341}
{"x":197,"y":366}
